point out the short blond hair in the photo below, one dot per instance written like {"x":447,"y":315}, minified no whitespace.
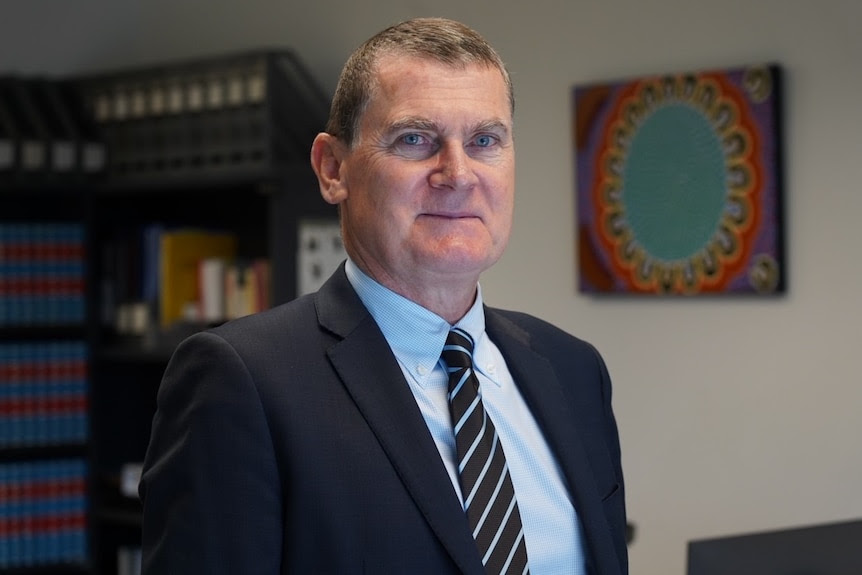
{"x":439,"y":39}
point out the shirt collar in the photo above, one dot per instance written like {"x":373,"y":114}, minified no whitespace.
{"x":415,"y":334}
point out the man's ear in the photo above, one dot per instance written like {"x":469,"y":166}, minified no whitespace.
{"x":327,"y":155}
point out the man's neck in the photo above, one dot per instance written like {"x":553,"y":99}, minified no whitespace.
{"x":450,"y":299}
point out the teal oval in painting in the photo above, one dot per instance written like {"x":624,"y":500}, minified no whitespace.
{"x":674,"y":182}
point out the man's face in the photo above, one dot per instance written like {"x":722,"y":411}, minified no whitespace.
{"x":429,"y":181}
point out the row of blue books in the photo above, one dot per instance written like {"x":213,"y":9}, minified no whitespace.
{"x":43,"y":393}
{"x":42,"y":273}
{"x":43,"y":513}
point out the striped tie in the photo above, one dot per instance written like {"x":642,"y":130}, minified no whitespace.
{"x":489,"y":497}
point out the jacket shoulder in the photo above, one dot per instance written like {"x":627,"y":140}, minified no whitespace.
{"x":532,"y":330}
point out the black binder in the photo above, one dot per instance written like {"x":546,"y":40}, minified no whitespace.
{"x":32,"y":153}
{"x":55,"y":125}
{"x":8,"y":139}
{"x":92,"y":155}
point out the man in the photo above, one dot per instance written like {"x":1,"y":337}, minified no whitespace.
{"x":318,"y":437}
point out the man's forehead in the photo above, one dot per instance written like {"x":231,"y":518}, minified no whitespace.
{"x":427,"y":82}
{"x":393,"y":72}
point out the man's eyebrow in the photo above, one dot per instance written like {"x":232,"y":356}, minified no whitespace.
{"x":424,"y":124}
{"x":492,"y":126}
{"x":412,"y":123}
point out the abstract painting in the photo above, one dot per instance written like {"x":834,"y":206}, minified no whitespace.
{"x":679,"y":183}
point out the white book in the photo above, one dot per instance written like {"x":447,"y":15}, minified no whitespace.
{"x":211,"y":289}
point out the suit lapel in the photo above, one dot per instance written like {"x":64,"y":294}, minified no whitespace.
{"x":371,"y":375}
{"x":542,"y":391}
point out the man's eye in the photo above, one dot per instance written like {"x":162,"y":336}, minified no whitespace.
{"x":413,"y":139}
{"x":485,"y":141}
{"x":414,"y":145}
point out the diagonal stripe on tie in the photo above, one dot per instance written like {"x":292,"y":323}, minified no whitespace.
{"x":489,"y":497}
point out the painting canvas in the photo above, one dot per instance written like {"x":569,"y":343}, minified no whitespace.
{"x":679,"y":188}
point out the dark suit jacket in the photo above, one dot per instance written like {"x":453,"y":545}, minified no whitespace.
{"x":289,"y":442}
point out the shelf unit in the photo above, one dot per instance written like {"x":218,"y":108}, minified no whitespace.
{"x":127,"y":370}
{"x":44,"y":380}
{"x":219,"y":143}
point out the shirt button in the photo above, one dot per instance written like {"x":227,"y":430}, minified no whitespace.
{"x":421,"y":370}
{"x":491,"y":368}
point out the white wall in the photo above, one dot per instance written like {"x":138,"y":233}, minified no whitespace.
{"x":735,"y":414}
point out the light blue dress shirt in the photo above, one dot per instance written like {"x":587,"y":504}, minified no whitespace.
{"x":416,"y":337}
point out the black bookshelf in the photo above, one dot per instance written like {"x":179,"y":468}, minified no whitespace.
{"x":217,"y":143}
{"x":44,"y":362}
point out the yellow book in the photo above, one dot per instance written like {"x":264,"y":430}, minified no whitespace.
{"x":180,"y":252}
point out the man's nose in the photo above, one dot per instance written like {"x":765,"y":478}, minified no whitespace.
{"x":454,"y":168}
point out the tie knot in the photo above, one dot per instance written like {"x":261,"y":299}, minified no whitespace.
{"x":458,"y":351}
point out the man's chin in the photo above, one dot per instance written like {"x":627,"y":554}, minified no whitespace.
{"x":459,"y":262}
